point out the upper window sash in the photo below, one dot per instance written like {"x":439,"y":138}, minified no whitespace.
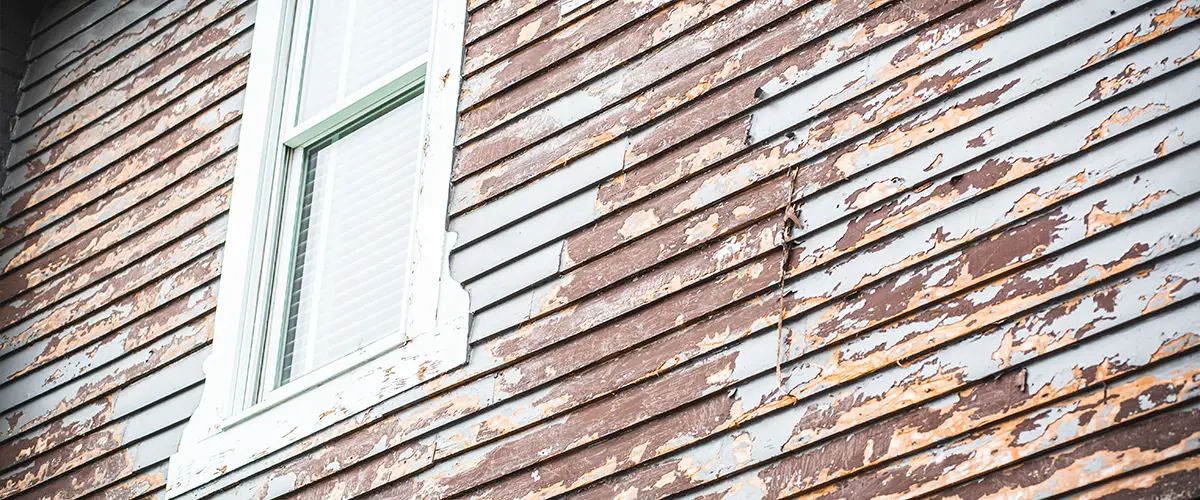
{"x":382,"y":91}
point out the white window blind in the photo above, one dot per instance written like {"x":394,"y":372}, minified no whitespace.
{"x":352,"y":247}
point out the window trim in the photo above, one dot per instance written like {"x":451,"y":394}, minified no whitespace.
{"x":229,"y":429}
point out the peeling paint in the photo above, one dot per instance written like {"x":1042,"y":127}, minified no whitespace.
{"x":988,"y":280}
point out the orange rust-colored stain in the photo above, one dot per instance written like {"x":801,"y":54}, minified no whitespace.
{"x":1122,"y":116}
{"x":1099,"y":219}
{"x":638,"y":223}
{"x":1165,"y":294}
{"x":703,"y":229}
{"x":1109,"y":86}
{"x":1191,"y":57}
{"x":1159,"y":25}
{"x":529,"y":31}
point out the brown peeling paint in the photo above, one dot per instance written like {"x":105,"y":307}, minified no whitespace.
{"x":112,"y":206}
{"x":1118,"y":118}
{"x":1002,"y":295}
{"x":1048,"y":429}
{"x":136,"y":365}
{"x":139,"y":241}
{"x":110,"y":242}
{"x":117,"y":465}
{"x":549,"y":370}
{"x":1128,"y":448}
{"x":77,"y":150}
{"x":185,"y":48}
{"x":1174,"y":479}
{"x":129,"y":103}
{"x":938,"y":212}
{"x":719,"y":374}
{"x":606,"y":126}
{"x":966,"y":411}
{"x":52,"y":185}
{"x":500,"y":44}
{"x":972,"y":413}
{"x":73,"y":301}
{"x":121,"y":55}
{"x":128,"y":308}
{"x":1108,"y":86}
{"x":61,"y":460}
{"x":487,"y":15}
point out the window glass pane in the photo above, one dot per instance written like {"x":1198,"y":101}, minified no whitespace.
{"x":354,"y":42}
{"x":351,"y":253}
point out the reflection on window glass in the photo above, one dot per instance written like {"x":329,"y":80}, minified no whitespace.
{"x":354,"y":42}
{"x":351,"y":255}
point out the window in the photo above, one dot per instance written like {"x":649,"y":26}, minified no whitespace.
{"x":335,"y":290}
{"x":351,"y":134}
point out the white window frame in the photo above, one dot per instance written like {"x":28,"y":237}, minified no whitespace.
{"x":232,"y":426}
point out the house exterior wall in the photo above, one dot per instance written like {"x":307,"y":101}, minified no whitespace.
{"x":715,"y":249}
{"x":113,"y":207}
{"x":16,"y":26}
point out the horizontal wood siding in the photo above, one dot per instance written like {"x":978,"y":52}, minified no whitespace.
{"x":113,"y":209}
{"x":715,"y":249}
{"x":16,"y":30}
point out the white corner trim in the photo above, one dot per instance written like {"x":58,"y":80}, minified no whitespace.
{"x":220,"y":438}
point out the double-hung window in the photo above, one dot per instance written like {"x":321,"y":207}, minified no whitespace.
{"x":351,"y":123}
{"x":335,"y":291}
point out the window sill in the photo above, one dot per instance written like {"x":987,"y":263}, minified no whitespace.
{"x":214,"y":444}
{"x":314,"y":379}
